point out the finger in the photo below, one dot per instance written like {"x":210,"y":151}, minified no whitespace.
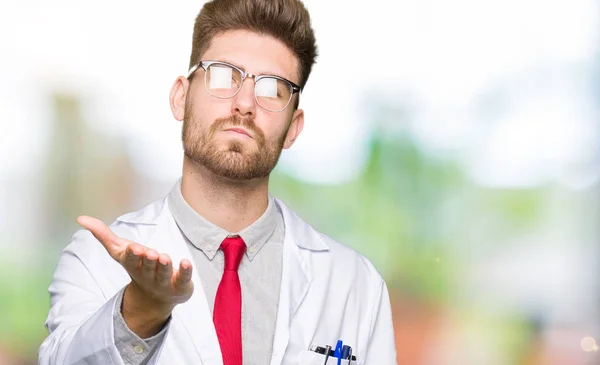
{"x":149,"y":260}
{"x":164,"y":270}
{"x":184,"y":274}
{"x":133,"y":258}
{"x":111,"y":242}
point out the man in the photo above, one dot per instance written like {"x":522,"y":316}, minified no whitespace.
{"x":219,"y":271}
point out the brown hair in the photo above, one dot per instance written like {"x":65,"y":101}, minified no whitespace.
{"x":285,"y":20}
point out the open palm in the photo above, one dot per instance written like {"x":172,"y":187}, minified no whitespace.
{"x":152,"y":272}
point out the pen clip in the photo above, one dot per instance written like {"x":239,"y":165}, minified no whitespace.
{"x":327,"y":350}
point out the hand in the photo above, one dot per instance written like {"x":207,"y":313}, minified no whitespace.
{"x":155,"y":288}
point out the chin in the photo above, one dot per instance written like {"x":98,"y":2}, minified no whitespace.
{"x":236,"y":174}
{"x":236,"y":147}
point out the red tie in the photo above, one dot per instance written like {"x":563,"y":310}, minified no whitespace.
{"x":227,"y":314}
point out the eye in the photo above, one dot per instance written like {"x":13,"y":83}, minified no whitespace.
{"x":267,"y":87}
{"x":220,"y":76}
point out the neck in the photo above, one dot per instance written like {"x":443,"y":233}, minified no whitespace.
{"x":229,"y":204}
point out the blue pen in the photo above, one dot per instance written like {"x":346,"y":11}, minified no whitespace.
{"x":345,"y":351}
{"x":337,"y":353}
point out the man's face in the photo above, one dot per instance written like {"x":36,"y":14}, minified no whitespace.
{"x":235,"y":138}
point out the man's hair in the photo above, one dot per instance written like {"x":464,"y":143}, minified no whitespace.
{"x":285,"y":20}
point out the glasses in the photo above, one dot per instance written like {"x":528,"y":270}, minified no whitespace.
{"x":223,"y":80}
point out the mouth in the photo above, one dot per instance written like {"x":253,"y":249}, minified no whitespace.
{"x":237,"y":130}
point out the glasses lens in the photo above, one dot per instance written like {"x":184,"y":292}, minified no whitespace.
{"x":272,"y":93}
{"x":222,"y":81}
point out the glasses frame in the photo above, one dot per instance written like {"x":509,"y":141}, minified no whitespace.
{"x":206,"y":64}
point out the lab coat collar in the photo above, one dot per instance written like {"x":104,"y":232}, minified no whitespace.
{"x":300,"y":229}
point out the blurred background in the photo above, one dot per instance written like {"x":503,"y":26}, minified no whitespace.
{"x":455,"y":144}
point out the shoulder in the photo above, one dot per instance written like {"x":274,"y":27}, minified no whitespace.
{"x":343,"y":256}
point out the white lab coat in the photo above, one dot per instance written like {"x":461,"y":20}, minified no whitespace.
{"x":328,"y":292}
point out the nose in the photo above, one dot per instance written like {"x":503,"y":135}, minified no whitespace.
{"x":244,"y":102}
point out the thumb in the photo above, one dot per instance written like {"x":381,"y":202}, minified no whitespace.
{"x":113,"y":244}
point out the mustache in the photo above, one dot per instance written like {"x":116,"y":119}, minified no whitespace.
{"x":237,"y":121}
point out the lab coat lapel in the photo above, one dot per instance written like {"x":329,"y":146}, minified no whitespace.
{"x":296,"y":276}
{"x":193,"y":315}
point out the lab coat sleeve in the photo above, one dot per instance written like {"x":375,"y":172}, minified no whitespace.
{"x":382,"y":344}
{"x":80,"y":321}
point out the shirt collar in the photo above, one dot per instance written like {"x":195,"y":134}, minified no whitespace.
{"x":207,"y":236}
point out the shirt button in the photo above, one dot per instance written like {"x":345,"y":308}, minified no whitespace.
{"x":138,"y":349}
{"x":251,"y":249}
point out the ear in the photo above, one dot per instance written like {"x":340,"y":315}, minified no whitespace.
{"x":177,"y":97}
{"x":296,"y":127}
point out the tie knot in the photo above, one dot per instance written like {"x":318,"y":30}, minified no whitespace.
{"x":233,"y":249}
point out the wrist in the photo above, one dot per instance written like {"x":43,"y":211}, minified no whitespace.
{"x":143,"y":314}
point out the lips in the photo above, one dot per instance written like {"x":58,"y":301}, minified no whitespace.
{"x":239,"y":130}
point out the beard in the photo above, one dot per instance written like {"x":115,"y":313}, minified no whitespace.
{"x":233,"y":160}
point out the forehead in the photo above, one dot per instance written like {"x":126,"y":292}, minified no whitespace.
{"x":255,"y":53}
